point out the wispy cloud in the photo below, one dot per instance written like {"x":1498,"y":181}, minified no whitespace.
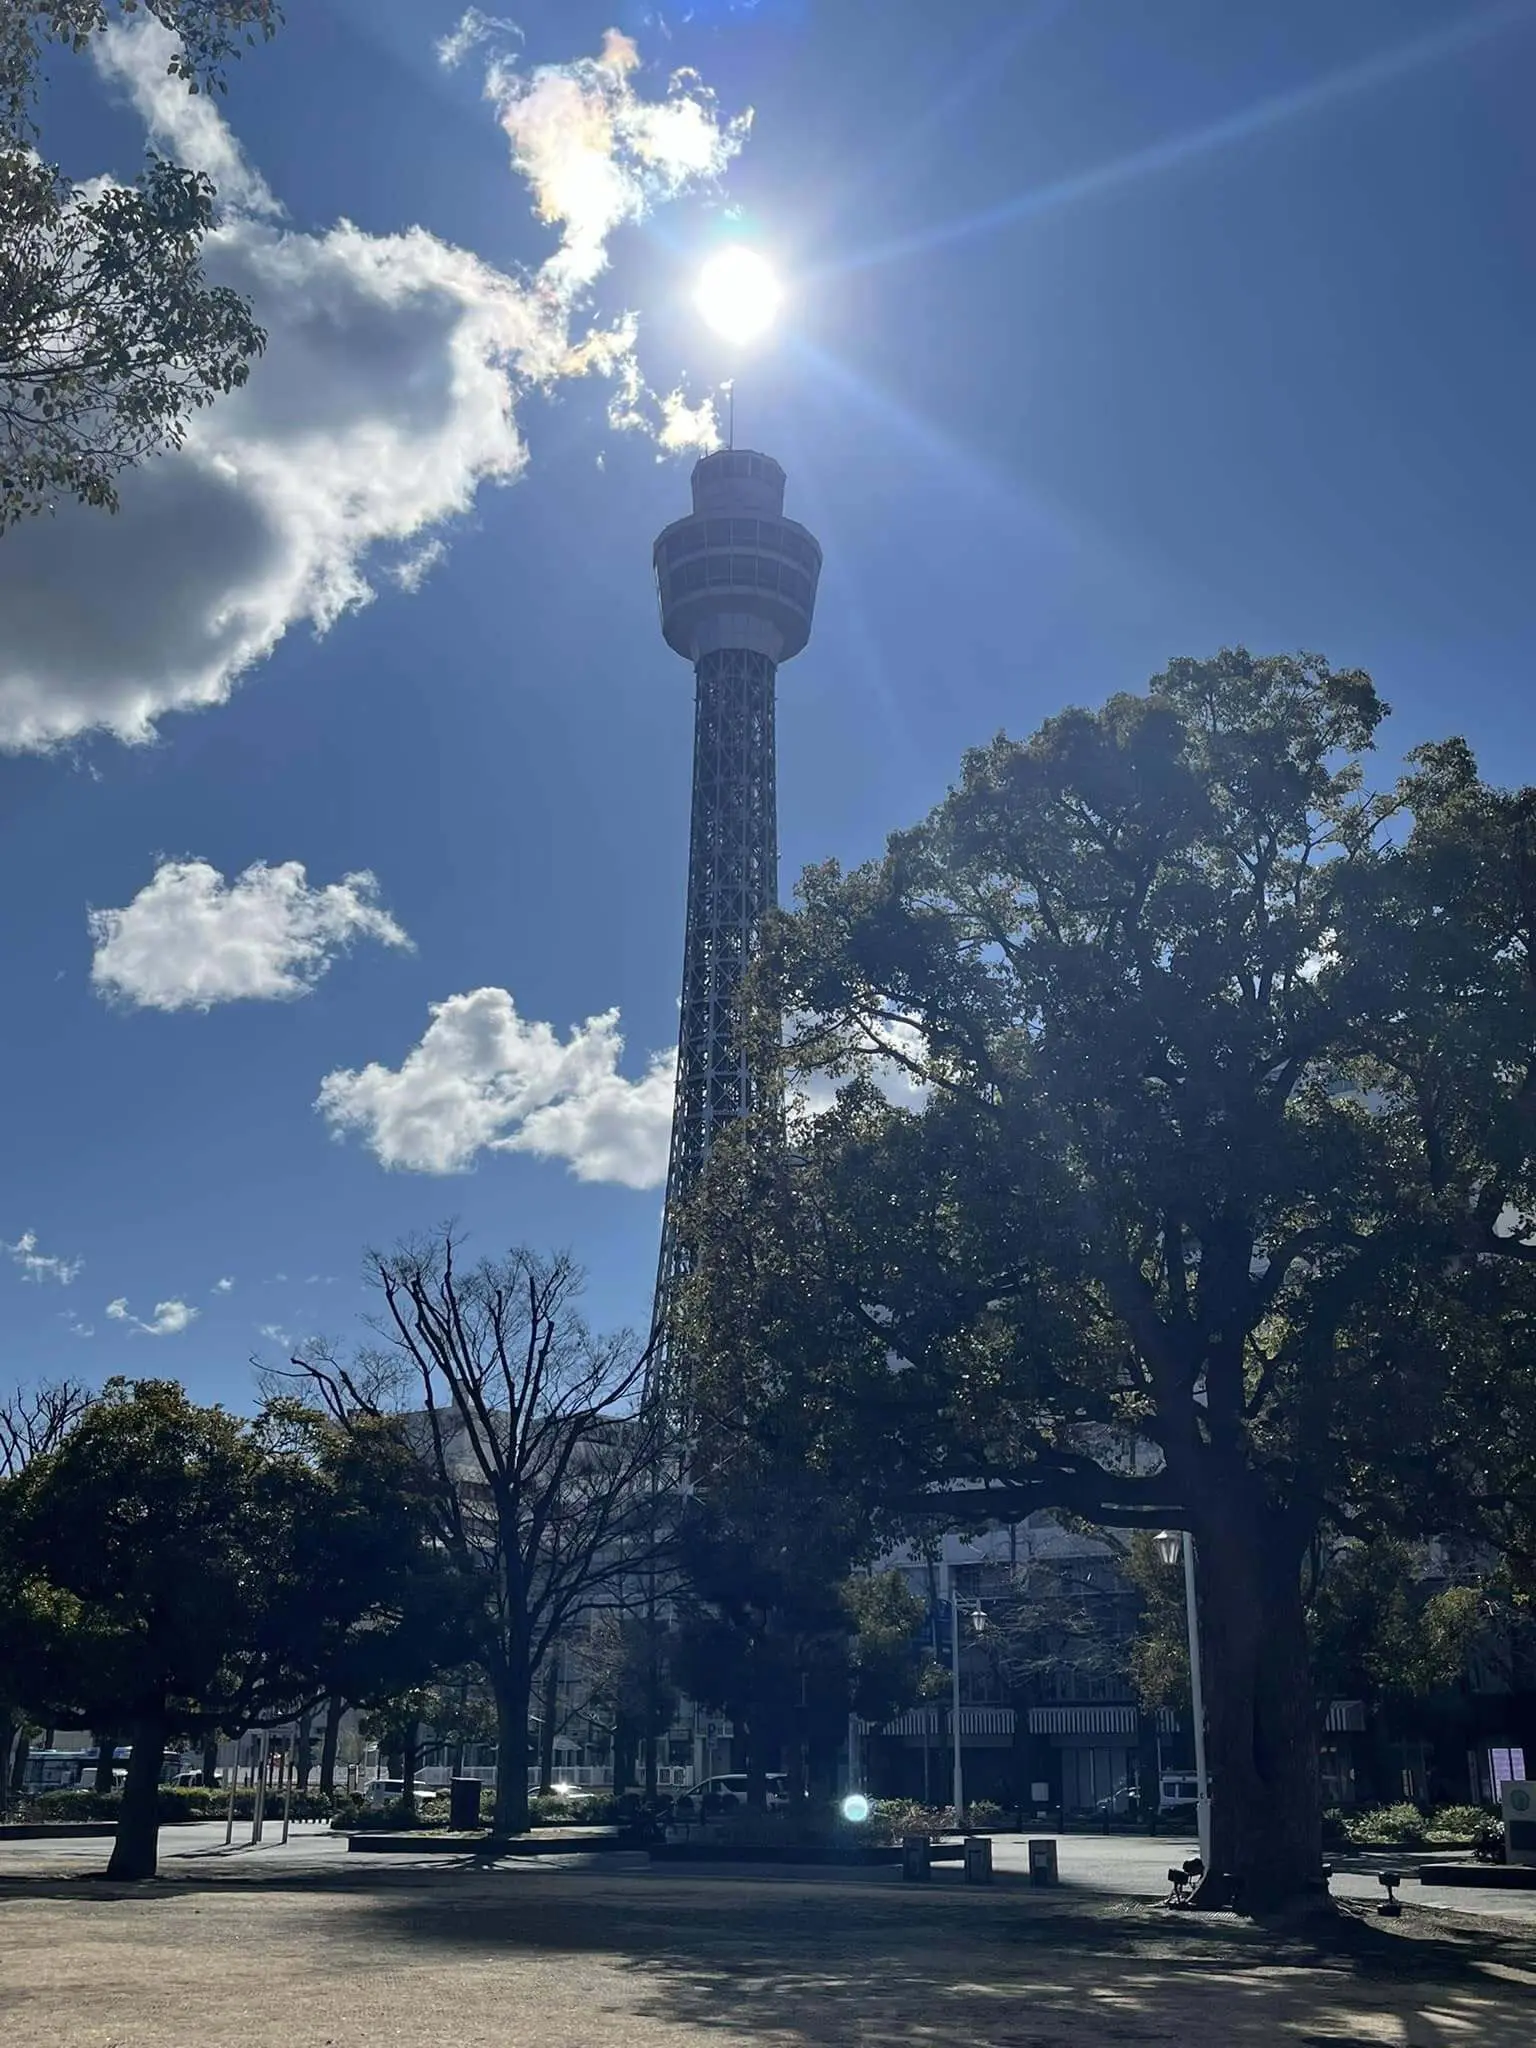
{"x":190,"y":939}
{"x":170,"y":1318}
{"x":484,"y":1079}
{"x":473,"y":29}
{"x":223,"y":1286}
{"x":40,"y":1266}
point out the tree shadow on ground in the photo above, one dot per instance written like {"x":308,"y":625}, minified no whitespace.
{"x":841,"y":1966}
{"x":829,"y":1962}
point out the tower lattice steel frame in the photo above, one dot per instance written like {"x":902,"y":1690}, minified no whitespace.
{"x":737,"y":583}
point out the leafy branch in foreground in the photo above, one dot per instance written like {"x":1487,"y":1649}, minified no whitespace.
{"x":110,"y":335}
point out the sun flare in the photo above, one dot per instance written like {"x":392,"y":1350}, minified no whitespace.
{"x":738,"y":294}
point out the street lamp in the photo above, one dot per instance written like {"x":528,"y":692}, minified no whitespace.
{"x":957,"y":1788}
{"x":1169,"y":1545}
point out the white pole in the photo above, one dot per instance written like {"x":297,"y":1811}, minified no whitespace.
{"x":259,"y":1787}
{"x":234,"y":1786}
{"x":954,"y":1697}
{"x":1197,"y":1704}
{"x":288,"y":1779}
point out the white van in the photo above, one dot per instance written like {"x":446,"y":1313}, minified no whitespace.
{"x":1176,"y":1789}
{"x":727,"y":1795}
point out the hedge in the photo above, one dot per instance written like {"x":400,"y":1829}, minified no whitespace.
{"x":180,"y":1802}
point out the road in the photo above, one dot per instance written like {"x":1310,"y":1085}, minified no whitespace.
{"x":1124,"y":1865}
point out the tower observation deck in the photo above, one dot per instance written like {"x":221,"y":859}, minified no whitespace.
{"x":737,"y":584}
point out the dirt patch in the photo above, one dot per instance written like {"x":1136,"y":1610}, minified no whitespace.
{"x":592,"y":1960}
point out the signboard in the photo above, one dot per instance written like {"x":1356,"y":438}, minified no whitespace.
{"x":1519,"y":1805}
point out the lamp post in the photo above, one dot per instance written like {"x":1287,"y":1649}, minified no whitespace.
{"x":1169,"y":1545}
{"x":957,"y":1788}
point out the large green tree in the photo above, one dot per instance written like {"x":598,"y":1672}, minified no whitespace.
{"x":777,"y":1631}
{"x":110,"y":335}
{"x":173,"y":1571}
{"x":1212,"y":1215}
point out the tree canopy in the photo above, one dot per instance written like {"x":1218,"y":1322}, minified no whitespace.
{"x":1211,"y":1215}
{"x":173,"y":1570}
{"x":110,"y":335}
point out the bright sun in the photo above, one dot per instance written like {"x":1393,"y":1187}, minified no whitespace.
{"x":738,"y":294}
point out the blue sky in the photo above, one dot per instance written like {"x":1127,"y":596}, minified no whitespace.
{"x":1113,"y":332}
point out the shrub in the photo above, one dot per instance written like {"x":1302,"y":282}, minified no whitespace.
{"x":176,"y":1803}
{"x":1488,"y":1838}
{"x":893,"y":1818}
{"x":1455,"y":1823}
{"x":548,"y":1809}
{"x":399,"y":1815}
{"x":984,"y":1813}
{"x":1400,"y":1827}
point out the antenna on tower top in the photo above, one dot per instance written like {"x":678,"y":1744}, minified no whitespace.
{"x":729,"y":388}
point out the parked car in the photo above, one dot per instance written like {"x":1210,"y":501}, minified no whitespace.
{"x":1178,"y":1791}
{"x":390,"y":1791}
{"x":725,"y":1795}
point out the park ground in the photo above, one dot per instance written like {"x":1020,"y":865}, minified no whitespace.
{"x":308,"y":1947}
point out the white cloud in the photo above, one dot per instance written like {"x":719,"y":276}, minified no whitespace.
{"x":483,"y":1078}
{"x":473,"y":29}
{"x":895,"y":1078}
{"x":40,"y":1266}
{"x":171,"y":1317}
{"x":411,"y":573}
{"x":687,"y":429}
{"x":223,"y":1286}
{"x":189,"y":939}
{"x":596,"y":154}
{"x":386,"y":397}
{"x":276,"y":1334}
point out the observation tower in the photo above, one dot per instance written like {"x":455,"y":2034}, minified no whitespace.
{"x":737,"y":583}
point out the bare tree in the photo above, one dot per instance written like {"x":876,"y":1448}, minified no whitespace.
{"x":35,"y":1420}
{"x":547,"y":1471}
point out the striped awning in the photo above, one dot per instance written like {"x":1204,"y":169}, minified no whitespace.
{"x":934,"y":1721}
{"x":1105,"y":1720}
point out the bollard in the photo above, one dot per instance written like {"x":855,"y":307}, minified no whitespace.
{"x":464,"y":1803}
{"x":1042,"y":1862}
{"x":915,"y":1864}
{"x":978,"y":1859}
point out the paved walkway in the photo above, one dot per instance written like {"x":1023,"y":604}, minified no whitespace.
{"x":1123,"y":1866}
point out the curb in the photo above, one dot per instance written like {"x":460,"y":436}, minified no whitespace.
{"x":1505,"y":1877}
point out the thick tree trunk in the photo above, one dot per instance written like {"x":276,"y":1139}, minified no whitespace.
{"x":16,"y":1762}
{"x":135,"y":1850}
{"x":1148,"y":1786}
{"x":211,"y":1762}
{"x":549,"y":1707}
{"x":306,"y":1752}
{"x":626,"y":1741}
{"x":651,"y":1759}
{"x":513,"y":1689}
{"x":1261,"y":1717}
{"x":328,"y":1742}
{"x":106,"y":1757}
{"x":756,"y":1767}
